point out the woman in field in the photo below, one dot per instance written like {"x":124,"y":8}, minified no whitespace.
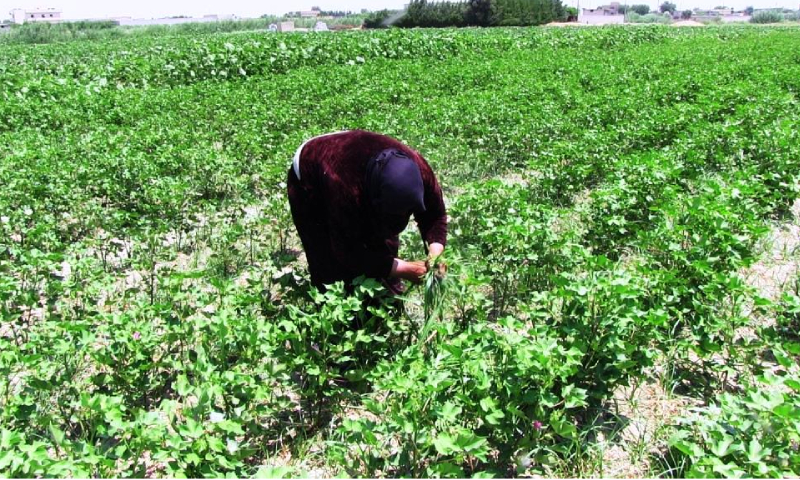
{"x":351,"y":194}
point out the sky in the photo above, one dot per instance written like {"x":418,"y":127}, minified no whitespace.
{"x":80,"y":9}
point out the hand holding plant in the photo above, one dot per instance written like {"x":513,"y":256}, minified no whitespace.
{"x":411,"y":271}
{"x":435,"y":261}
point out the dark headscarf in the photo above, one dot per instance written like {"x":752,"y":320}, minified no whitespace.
{"x":394,"y":188}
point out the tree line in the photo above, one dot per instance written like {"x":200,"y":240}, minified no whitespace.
{"x":476,"y":13}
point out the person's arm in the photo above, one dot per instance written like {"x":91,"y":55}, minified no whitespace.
{"x":374,"y":262}
{"x":433,"y":221}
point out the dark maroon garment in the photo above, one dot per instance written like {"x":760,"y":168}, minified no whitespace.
{"x":339,"y":230}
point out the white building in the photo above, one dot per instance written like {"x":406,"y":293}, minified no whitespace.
{"x":47,"y":15}
{"x":595,"y":17}
{"x":17,"y":16}
{"x":139,"y":22}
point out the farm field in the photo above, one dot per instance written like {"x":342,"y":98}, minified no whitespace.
{"x":622,"y":296}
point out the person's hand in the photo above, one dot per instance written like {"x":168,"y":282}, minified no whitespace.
{"x":411,"y":271}
{"x":434,"y":251}
{"x":441,"y":269}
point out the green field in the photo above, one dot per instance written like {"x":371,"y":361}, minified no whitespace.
{"x":611,"y":193}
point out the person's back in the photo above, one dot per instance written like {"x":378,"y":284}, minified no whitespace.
{"x":351,"y":194}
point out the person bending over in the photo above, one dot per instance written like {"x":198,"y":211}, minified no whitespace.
{"x":351,"y":195}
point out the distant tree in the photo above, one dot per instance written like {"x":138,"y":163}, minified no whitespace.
{"x":623,"y":9}
{"x":686,"y":14}
{"x":335,"y":13}
{"x":572,"y":14}
{"x":377,"y":19}
{"x":767,"y":16}
{"x":668,"y":7}
{"x":430,"y":13}
{"x":316,"y":9}
{"x":748,"y":11}
{"x":641,"y":9}
{"x":479,"y":13}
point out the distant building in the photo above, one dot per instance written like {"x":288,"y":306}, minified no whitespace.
{"x":5,"y":26}
{"x":725,"y":15}
{"x":602,"y":15}
{"x":18,"y":16}
{"x":612,"y":9}
{"x":48,"y":15}
{"x":286,"y":27}
{"x":310,"y":14}
{"x":139,"y":22}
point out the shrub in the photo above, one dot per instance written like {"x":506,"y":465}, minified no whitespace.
{"x":524,"y":238}
{"x":792,"y":17}
{"x":649,"y":18}
{"x":754,"y":435}
{"x":517,"y":387}
{"x":377,"y":19}
{"x":767,"y":16}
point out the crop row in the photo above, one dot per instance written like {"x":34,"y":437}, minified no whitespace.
{"x":155,"y":320}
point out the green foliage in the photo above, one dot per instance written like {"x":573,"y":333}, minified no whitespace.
{"x":649,"y":18}
{"x":471,"y":391}
{"x":478,"y":13}
{"x":767,"y":16}
{"x":41,"y":32}
{"x":378,"y":19}
{"x":34,"y":33}
{"x":667,"y":7}
{"x":155,"y":319}
{"x":503,"y":225}
{"x":751,"y":435}
{"x":686,"y":14}
{"x":788,"y":313}
{"x":640,"y":9}
{"x":422,"y":13}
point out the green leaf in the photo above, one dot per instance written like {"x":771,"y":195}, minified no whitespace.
{"x":488,"y":404}
{"x":445,"y":444}
{"x":783,"y":359}
{"x":450,"y":412}
{"x":445,"y":470}
{"x":793,"y":384}
{"x":563,"y":428}
{"x":722,"y":447}
{"x":58,"y":435}
{"x":754,"y":451}
{"x":573,"y":397}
